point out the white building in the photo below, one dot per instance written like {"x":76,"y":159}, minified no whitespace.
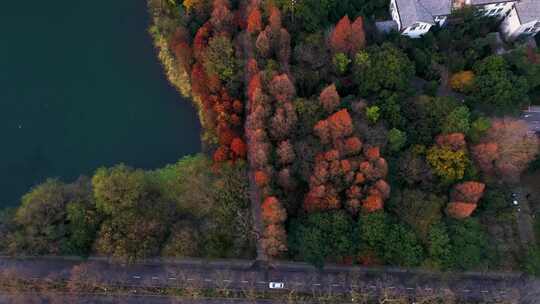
{"x":523,"y":20}
{"x":415,"y":17}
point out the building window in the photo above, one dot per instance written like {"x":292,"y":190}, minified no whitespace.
{"x":499,"y":10}
{"x":491,"y":11}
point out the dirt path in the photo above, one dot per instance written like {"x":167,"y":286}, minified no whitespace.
{"x":254,"y":193}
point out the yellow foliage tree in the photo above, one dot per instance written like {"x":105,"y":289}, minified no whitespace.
{"x":448,"y":164}
{"x":462,"y":81}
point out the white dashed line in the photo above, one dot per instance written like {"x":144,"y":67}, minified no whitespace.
{"x":172,"y":279}
{"x":136,"y":277}
{"x":155,"y":278}
{"x":261,"y":282}
{"x":484,"y":291}
{"x":316,"y":284}
{"x":228,"y":281}
{"x":391,"y":287}
{"x":410,"y":288}
{"x":244,"y":282}
{"x":207,"y":280}
{"x":466,"y":290}
{"x":335,"y":285}
{"x":372,"y":286}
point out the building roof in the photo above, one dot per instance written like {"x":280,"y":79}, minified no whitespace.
{"x":484,"y":2}
{"x":412,"y":11}
{"x":528,"y":10}
{"x":437,"y":7}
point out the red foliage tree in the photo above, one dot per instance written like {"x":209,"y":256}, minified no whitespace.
{"x":282,"y":88}
{"x":263,"y":45}
{"x":254,"y":22}
{"x":372,"y":203}
{"x":238,"y":147}
{"x":221,"y":154}
{"x":272,"y":211}
{"x":516,"y":147}
{"x":460,"y":210}
{"x":275,"y":19}
{"x":372,"y":153}
{"x":485,"y":156}
{"x":222,"y":17}
{"x":329,"y":98}
{"x":201,"y":41}
{"x":469,"y":192}
{"x":285,"y":152}
{"x":353,"y":145}
{"x":339,"y":39}
{"x":358,"y":36}
{"x":274,"y":241}
{"x":261,"y":178}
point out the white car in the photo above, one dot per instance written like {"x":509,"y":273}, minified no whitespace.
{"x":276,"y":285}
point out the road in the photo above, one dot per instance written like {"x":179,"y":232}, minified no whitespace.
{"x":532,"y":117}
{"x":64,"y":298}
{"x":298,"y":277}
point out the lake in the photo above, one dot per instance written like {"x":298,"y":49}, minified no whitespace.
{"x":80,"y":88}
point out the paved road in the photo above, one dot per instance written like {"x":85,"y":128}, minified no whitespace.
{"x":243,"y":276}
{"x":532,"y":117}
{"x":63,"y":298}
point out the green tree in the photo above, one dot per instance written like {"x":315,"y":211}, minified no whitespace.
{"x":373,"y":114}
{"x":496,"y":88}
{"x":396,"y":139}
{"x":41,"y":220}
{"x":468,"y":244}
{"x":119,"y":188}
{"x":322,"y":236}
{"x":341,"y":62}
{"x":439,"y":248}
{"x":457,"y":121}
{"x":418,"y":209}
{"x":425,"y":116}
{"x":219,"y":58}
{"x":401,"y":247}
{"x":372,"y":230}
{"x":479,"y":128}
{"x":385,"y":68}
{"x":82,"y":225}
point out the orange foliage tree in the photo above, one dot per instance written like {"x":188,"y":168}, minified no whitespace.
{"x":329,"y":98}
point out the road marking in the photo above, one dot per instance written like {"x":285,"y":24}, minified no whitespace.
{"x":155,"y":278}
{"x":207,"y":280}
{"x":372,"y":286}
{"x":410,"y":288}
{"x":136,"y":277}
{"x":190,"y":279}
{"x":316,"y":284}
{"x":172,"y":279}
{"x":244,"y":282}
{"x":335,"y":285}
{"x":391,"y":287}
{"x":261,"y":282}
{"x":484,"y":291}
{"x":428,"y":289}
{"x":466,"y":290}
{"x":227,"y":281}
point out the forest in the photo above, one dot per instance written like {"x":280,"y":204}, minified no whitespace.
{"x":360,"y":147}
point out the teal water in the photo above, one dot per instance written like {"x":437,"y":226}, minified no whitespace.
{"x":80,"y":87}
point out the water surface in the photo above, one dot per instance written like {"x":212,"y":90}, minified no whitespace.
{"x":80,"y":87}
